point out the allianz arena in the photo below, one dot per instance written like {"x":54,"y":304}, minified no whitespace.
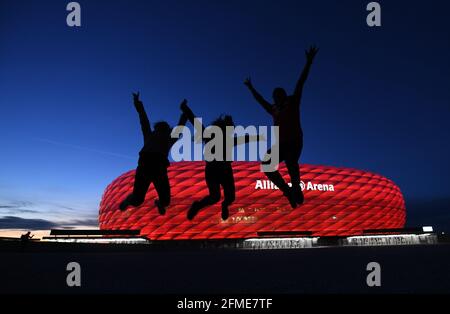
{"x":338,"y":202}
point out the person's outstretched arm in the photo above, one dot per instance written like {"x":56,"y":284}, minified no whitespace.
{"x":264,"y":103}
{"x":183,"y":117}
{"x":191,"y":117}
{"x":181,"y":123}
{"x":145,"y":123}
{"x":310,"y":55}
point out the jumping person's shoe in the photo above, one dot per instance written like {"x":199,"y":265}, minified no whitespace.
{"x":123,"y":206}
{"x":298,"y":195}
{"x":225,"y":212}
{"x":161,"y":208}
{"x":290,"y":196}
{"x":193,"y":211}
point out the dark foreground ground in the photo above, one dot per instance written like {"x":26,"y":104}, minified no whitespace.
{"x":41,"y":268}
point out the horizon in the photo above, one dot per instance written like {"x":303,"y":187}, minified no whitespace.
{"x":375,"y":99}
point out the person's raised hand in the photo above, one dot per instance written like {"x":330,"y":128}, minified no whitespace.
{"x":185,"y":108}
{"x":248,"y":82}
{"x":311,"y":53}
{"x":136,"y":97}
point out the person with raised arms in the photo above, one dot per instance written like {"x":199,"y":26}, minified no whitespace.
{"x":218,"y":168}
{"x":285,"y":112}
{"x":153,"y":160}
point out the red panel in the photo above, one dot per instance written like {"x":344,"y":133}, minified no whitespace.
{"x":359,"y":200}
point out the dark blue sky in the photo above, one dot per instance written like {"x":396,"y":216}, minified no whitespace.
{"x":376,"y":99}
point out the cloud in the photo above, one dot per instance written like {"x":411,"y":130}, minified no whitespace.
{"x":47,"y":209}
{"x":13,"y":222}
{"x":22,"y":207}
{"x":84,"y":222}
{"x":66,"y":207}
{"x":78,"y":224}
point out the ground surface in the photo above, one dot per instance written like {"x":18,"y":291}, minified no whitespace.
{"x":41,"y":268}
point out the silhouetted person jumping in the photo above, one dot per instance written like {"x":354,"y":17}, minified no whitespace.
{"x":218,"y":172}
{"x":153,"y":162}
{"x":286,"y":115}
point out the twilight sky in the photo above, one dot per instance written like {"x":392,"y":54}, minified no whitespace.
{"x":376,"y":99}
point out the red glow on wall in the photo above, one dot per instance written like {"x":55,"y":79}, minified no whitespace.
{"x":338,"y":201}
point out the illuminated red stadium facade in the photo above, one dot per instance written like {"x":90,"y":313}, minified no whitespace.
{"x":338,"y":202}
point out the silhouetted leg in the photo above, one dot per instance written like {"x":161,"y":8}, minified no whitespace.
{"x":292,"y":165}
{"x":142,"y":182}
{"x":229,"y":191}
{"x":278,"y":180}
{"x":212,"y":181}
{"x":294,"y":173}
{"x":162,"y":186}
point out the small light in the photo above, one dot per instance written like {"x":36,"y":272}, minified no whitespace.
{"x":427,"y":229}
{"x":334,"y":217}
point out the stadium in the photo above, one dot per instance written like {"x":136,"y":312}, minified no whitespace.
{"x":338,"y":202}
